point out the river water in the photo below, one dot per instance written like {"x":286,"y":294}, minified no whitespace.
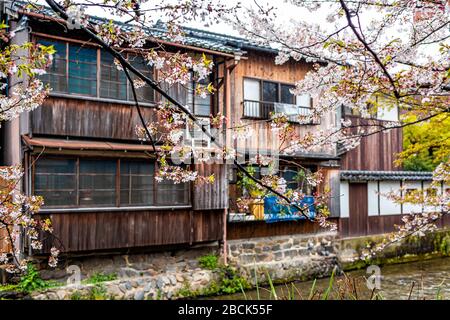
{"x":429,"y":279}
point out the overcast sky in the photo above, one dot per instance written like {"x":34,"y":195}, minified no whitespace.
{"x":285,"y":12}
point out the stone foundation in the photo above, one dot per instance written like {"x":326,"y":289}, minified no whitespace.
{"x":284,"y":258}
{"x":166,"y":286}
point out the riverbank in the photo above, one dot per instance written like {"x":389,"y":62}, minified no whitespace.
{"x":423,"y":279}
{"x":252,"y":262}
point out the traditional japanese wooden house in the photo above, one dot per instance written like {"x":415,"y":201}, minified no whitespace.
{"x":80,"y":150}
{"x":260,"y":87}
{"x":81,"y":153}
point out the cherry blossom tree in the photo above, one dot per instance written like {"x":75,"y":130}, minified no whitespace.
{"x":373,"y":55}
{"x":25,"y":62}
{"x":369,"y":56}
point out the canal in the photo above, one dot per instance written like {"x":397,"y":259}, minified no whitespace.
{"x":428,"y":279}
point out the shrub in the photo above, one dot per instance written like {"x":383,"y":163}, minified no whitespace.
{"x":209,"y":261}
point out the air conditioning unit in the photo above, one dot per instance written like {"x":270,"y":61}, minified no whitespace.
{"x":195,"y":136}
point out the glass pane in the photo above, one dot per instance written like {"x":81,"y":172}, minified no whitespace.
{"x":48,"y":182}
{"x":169,"y":193}
{"x":82,"y":70}
{"x":143,"y":198}
{"x":58,"y":198}
{"x":252,"y":90}
{"x":94,"y":181}
{"x":142,"y":182}
{"x":97,"y":182}
{"x":136,"y":182}
{"x":202,"y":106}
{"x":289,"y":175}
{"x":286,"y":95}
{"x":113,"y":82}
{"x":97,"y":166}
{"x":55,"y":180}
{"x":125,"y":197}
{"x":44,"y":165}
{"x":145,"y":93}
{"x":96,"y":198}
{"x":137,"y":167}
{"x":270,"y":91}
{"x":57,"y":72}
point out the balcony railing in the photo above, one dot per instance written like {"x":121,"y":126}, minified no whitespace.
{"x":262,"y":110}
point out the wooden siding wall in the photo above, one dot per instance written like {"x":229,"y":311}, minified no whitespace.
{"x":84,"y":118}
{"x":214,"y":195}
{"x":78,"y":232}
{"x":376,"y":152}
{"x":262,"y":66}
{"x":256,"y":229}
{"x":382,"y":224}
{"x":5,"y":247}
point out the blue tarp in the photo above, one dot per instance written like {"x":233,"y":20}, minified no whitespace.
{"x":277,"y":212}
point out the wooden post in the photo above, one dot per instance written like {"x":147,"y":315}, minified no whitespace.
{"x":225,"y":250}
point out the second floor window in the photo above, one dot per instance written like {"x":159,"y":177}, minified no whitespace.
{"x":261,"y":98}
{"x":87,"y":71}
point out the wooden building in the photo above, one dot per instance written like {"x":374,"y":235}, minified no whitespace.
{"x":81,"y":153}
{"x":259,"y":87}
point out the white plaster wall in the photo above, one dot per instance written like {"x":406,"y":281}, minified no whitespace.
{"x":409,"y":208}
{"x":426,"y":185}
{"x":387,"y":114}
{"x":387,"y":206}
{"x":344,"y":199}
{"x":372,"y":198}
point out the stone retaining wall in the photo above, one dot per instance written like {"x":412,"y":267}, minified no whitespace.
{"x":284,"y":258}
{"x":166,"y":286}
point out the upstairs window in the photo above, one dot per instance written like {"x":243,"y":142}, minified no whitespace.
{"x":198,"y":105}
{"x":57,"y":72}
{"x":261,"y":98}
{"x":87,"y":71}
{"x":145,"y":93}
{"x":113,"y":82}
{"x":82,"y":70}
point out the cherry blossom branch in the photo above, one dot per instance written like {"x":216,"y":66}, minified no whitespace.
{"x":360,"y":37}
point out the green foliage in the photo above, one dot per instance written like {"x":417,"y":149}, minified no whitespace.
{"x":9,"y":287}
{"x":98,"y":292}
{"x":32,"y":281}
{"x":101,"y":277}
{"x":246,"y":183}
{"x":77,"y":296}
{"x":209,"y":261}
{"x":229,"y":282}
{"x":425,"y":144}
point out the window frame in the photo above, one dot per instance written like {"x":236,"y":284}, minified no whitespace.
{"x":118,"y":206}
{"x":278,"y":98}
{"x":97,"y":97}
{"x":310,"y":167}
